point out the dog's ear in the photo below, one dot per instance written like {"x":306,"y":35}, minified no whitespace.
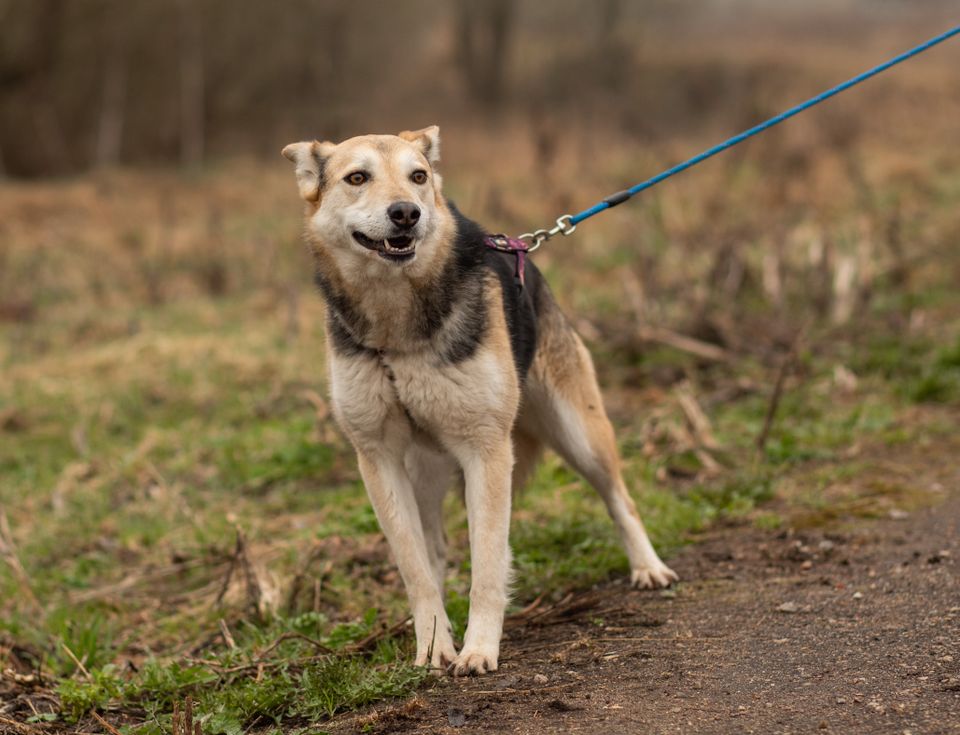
{"x":428,"y":140}
{"x":309,"y":158}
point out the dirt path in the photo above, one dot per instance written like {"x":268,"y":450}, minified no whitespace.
{"x":853,"y":630}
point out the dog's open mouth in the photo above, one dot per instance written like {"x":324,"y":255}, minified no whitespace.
{"x":398,"y":248}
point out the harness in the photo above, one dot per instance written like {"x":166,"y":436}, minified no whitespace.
{"x":515,"y":245}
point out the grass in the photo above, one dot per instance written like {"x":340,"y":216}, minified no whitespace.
{"x":166,"y":388}
{"x":238,"y":688}
{"x":164,"y":436}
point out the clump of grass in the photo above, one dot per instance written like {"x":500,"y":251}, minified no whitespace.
{"x":939,"y":379}
{"x":302,"y":679}
{"x":920,"y":371}
{"x":77,"y":697}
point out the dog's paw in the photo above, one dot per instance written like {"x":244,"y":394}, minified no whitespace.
{"x":440,"y":657}
{"x":475,"y":661}
{"x":651,"y":577}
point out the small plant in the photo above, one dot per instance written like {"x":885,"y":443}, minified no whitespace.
{"x":99,"y":688}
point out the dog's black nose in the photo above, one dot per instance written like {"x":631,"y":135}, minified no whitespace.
{"x":404,"y":214}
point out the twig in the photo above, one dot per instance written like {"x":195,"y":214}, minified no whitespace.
{"x":696,"y":419}
{"x":297,"y":584}
{"x":555,"y":606}
{"x":586,"y":641}
{"x":257,"y":593}
{"x":433,"y":639}
{"x":182,"y":722}
{"x":250,"y":576}
{"x":227,"y":635}
{"x":785,"y":365}
{"x":104,"y":724}
{"x":521,"y":614}
{"x":367,"y":643}
{"x":683,"y":343}
{"x":556,"y":688}
{"x":21,"y":728}
{"x":226,"y":580}
{"x":77,"y":661}
{"x":134,"y":579}
{"x":292,"y":635}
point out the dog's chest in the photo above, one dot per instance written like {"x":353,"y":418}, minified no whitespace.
{"x":444,"y":398}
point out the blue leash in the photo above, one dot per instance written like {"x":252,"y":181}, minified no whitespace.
{"x":568,"y":222}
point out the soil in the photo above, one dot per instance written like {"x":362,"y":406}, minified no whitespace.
{"x":852,"y":628}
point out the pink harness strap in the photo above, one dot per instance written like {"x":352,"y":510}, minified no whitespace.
{"x":511,"y":245}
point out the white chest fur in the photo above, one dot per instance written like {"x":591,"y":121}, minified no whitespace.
{"x":471,"y":400}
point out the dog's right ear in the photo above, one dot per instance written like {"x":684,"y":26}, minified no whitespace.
{"x":309,"y":158}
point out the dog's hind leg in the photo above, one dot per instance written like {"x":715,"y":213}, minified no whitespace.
{"x":431,"y":474}
{"x":527,"y":451}
{"x":564,"y":407}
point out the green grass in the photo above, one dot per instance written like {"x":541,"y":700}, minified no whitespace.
{"x":240,"y":687}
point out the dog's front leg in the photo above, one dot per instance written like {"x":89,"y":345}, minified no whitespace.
{"x":487,"y":474}
{"x":395,"y":504}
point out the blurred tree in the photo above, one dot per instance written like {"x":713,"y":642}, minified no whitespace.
{"x":484,"y":29}
{"x":192,"y":103}
{"x":114,"y":88}
{"x":30,"y":50}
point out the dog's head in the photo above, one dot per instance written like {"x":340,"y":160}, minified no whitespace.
{"x":375,"y":197}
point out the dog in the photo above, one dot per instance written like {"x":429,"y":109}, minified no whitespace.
{"x":447,"y":358}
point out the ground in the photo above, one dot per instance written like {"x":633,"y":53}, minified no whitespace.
{"x":847,"y":628}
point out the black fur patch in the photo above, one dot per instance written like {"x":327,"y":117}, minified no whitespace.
{"x":347,"y":326}
{"x":520,"y":306}
{"x":463,"y":268}
{"x":343,"y":342}
{"x":471,"y":326}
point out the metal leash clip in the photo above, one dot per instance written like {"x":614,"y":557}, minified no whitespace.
{"x":538,"y":237}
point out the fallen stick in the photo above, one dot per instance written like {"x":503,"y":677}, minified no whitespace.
{"x":292,"y":635}
{"x":104,"y":724}
{"x":21,"y":728}
{"x":78,"y":662}
{"x":367,"y":643}
{"x":785,"y":365}
{"x":227,"y":635}
{"x":132,"y":580}
{"x":697,"y":420}
{"x":521,"y":614}
{"x":683,"y":343}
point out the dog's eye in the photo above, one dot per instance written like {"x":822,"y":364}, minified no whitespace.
{"x":357,"y":178}
{"x":419,"y":177}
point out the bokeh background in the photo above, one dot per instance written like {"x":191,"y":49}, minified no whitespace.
{"x":768,"y":327}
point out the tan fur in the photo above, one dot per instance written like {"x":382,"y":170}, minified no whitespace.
{"x":416,"y":420}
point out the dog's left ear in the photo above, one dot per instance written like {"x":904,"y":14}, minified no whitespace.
{"x":309,"y":158}
{"x":428,"y":140}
